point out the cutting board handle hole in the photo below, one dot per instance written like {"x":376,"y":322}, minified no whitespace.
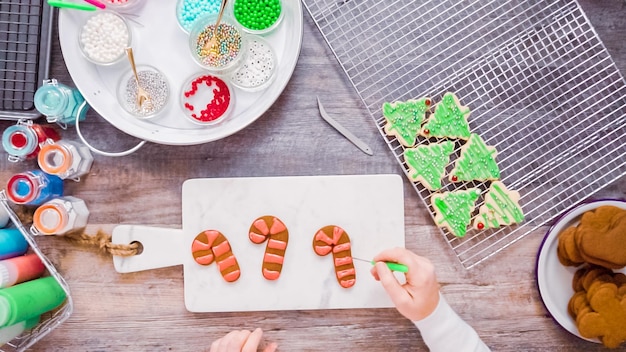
{"x":139,"y":247}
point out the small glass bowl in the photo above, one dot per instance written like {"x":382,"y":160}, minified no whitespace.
{"x":259,"y":67}
{"x":188,"y":11}
{"x":248,"y":24}
{"x":98,"y":40}
{"x":231,"y":44}
{"x":128,"y":6}
{"x":206,"y":99}
{"x":153,"y":82}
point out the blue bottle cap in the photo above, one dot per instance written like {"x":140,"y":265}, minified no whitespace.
{"x":51,"y":100}
{"x":19,"y":140}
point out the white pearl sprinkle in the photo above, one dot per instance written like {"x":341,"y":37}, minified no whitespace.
{"x":104,"y":37}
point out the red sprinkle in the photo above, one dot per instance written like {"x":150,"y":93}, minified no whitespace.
{"x":217,"y":106}
{"x":454,"y":178}
{"x":426,"y":131}
{"x":480,"y":225}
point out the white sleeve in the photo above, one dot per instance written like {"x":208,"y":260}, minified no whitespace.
{"x":444,"y":330}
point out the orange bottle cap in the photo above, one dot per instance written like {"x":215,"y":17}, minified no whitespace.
{"x":54,"y":158}
{"x":49,"y":219}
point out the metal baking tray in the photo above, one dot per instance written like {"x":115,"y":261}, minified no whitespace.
{"x":25,"y":40}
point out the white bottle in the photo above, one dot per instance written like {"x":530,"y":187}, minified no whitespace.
{"x":10,"y":332}
{"x":4,"y":217}
{"x":65,"y":159}
{"x":59,"y":216}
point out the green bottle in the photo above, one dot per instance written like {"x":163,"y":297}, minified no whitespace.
{"x":29,"y":299}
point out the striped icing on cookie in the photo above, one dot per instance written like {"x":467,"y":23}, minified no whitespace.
{"x":449,"y":119}
{"x":404,"y":119}
{"x":273,"y":230}
{"x":427,"y":163}
{"x":333,"y":239}
{"x":477,"y":162}
{"x":454,"y":209}
{"x":501,"y":208}
{"x":212,"y":246}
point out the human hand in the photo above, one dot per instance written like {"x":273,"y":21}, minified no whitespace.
{"x":241,"y":341}
{"x":419,"y":296}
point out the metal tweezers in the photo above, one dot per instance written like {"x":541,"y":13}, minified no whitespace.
{"x":351,"y":137}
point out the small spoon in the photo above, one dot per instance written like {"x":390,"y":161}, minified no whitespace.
{"x":211,"y":45}
{"x":142,"y":96}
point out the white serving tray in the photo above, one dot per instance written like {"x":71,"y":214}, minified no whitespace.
{"x":159,"y":41}
{"x":370,"y":208}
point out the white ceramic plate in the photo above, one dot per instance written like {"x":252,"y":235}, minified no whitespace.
{"x":159,"y":41}
{"x":555,"y":280}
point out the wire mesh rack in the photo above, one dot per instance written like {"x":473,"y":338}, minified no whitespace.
{"x":50,"y":320}
{"x":25,"y":36}
{"x":541,"y":86}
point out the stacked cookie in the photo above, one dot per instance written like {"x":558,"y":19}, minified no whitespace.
{"x":599,"y":239}
{"x":599,"y":304}
{"x":597,"y":244}
{"x":427,"y":163}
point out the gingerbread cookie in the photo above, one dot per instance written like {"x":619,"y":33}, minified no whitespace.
{"x":598,"y":305}
{"x":454,"y":209}
{"x":598,"y":239}
{"x":449,"y":119}
{"x":212,"y":246}
{"x":427,"y":163}
{"x":334,"y":239}
{"x":404,"y":119}
{"x":477,"y":162}
{"x":501,"y":207}
{"x":607,"y":321}
{"x":270,"y":229}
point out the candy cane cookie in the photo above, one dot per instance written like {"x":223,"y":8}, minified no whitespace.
{"x":275,"y":232}
{"x":334,"y":239}
{"x":212,"y":246}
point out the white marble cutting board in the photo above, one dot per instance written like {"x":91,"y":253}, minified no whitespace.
{"x":370,"y":208}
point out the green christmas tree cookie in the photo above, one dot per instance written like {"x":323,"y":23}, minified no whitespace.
{"x":449,"y":119}
{"x":427,"y":163}
{"x":501,"y":208}
{"x":477,"y":162}
{"x":404,"y":119}
{"x":453,"y":210}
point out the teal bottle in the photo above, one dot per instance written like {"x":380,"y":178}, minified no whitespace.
{"x":60,"y":103}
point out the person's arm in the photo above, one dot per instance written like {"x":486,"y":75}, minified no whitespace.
{"x":420,"y":301}
{"x":444,"y":330}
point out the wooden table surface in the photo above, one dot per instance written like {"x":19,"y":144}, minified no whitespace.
{"x":144,"y":311}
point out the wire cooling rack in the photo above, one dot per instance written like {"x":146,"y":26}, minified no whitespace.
{"x":25,"y":28}
{"x":541,"y":86}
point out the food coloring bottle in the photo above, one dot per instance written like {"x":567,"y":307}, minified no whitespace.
{"x":22,"y":141}
{"x":59,"y":216}
{"x":12,"y":243}
{"x":19,"y":269}
{"x":10,"y":332}
{"x":29,"y":299}
{"x":4,"y":217}
{"x":34,"y":187}
{"x":66,"y":159}
{"x":60,"y":103}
